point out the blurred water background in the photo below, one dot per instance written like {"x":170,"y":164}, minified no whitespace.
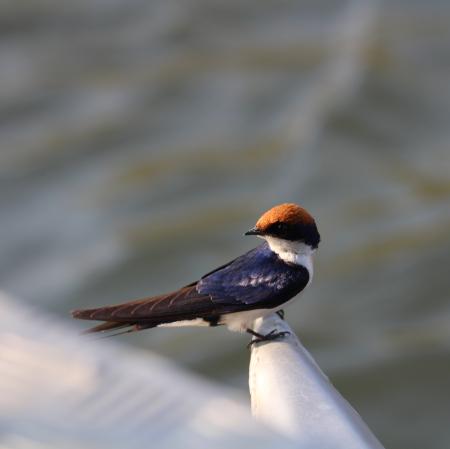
{"x":140,"y":139}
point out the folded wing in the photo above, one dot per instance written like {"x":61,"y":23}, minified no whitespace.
{"x":183,"y":304}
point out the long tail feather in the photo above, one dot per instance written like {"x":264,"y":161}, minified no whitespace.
{"x":107,"y":326}
{"x":126,"y":331}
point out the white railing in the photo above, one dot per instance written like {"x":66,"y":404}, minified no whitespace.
{"x":291,"y":394}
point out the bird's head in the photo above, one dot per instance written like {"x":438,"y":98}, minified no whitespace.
{"x":288,"y":222}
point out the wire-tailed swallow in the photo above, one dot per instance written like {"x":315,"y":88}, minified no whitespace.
{"x":255,"y":284}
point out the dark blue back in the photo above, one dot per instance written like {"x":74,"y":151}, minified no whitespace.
{"x":258,"y":278}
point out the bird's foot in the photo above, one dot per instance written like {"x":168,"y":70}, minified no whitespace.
{"x":280,"y":313}
{"x":273,"y":335}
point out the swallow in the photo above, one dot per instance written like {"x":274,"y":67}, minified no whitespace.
{"x":258,"y":283}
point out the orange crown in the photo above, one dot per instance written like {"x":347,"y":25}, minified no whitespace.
{"x":289,"y":213}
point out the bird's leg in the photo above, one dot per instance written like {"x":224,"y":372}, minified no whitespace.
{"x":273,"y":335}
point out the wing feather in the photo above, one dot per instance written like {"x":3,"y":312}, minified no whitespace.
{"x":182,"y":304}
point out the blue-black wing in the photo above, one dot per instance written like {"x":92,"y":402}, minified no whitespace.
{"x":258,"y":277}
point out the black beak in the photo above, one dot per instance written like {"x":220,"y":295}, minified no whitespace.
{"x":253,"y":231}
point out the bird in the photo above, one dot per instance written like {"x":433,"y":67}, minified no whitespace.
{"x":253,"y":285}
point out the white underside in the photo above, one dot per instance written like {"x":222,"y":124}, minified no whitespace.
{"x":184,"y":323}
{"x":241,"y":321}
{"x":297,"y":253}
{"x":236,"y":322}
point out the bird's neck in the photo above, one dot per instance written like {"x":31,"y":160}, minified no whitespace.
{"x":297,"y":253}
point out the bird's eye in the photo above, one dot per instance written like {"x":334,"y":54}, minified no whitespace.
{"x":279,"y":227}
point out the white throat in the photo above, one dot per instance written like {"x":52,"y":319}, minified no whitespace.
{"x":297,"y":253}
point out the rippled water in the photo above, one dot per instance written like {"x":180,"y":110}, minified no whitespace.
{"x":139,"y":140}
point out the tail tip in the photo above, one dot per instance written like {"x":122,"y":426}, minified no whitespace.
{"x":76,"y":313}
